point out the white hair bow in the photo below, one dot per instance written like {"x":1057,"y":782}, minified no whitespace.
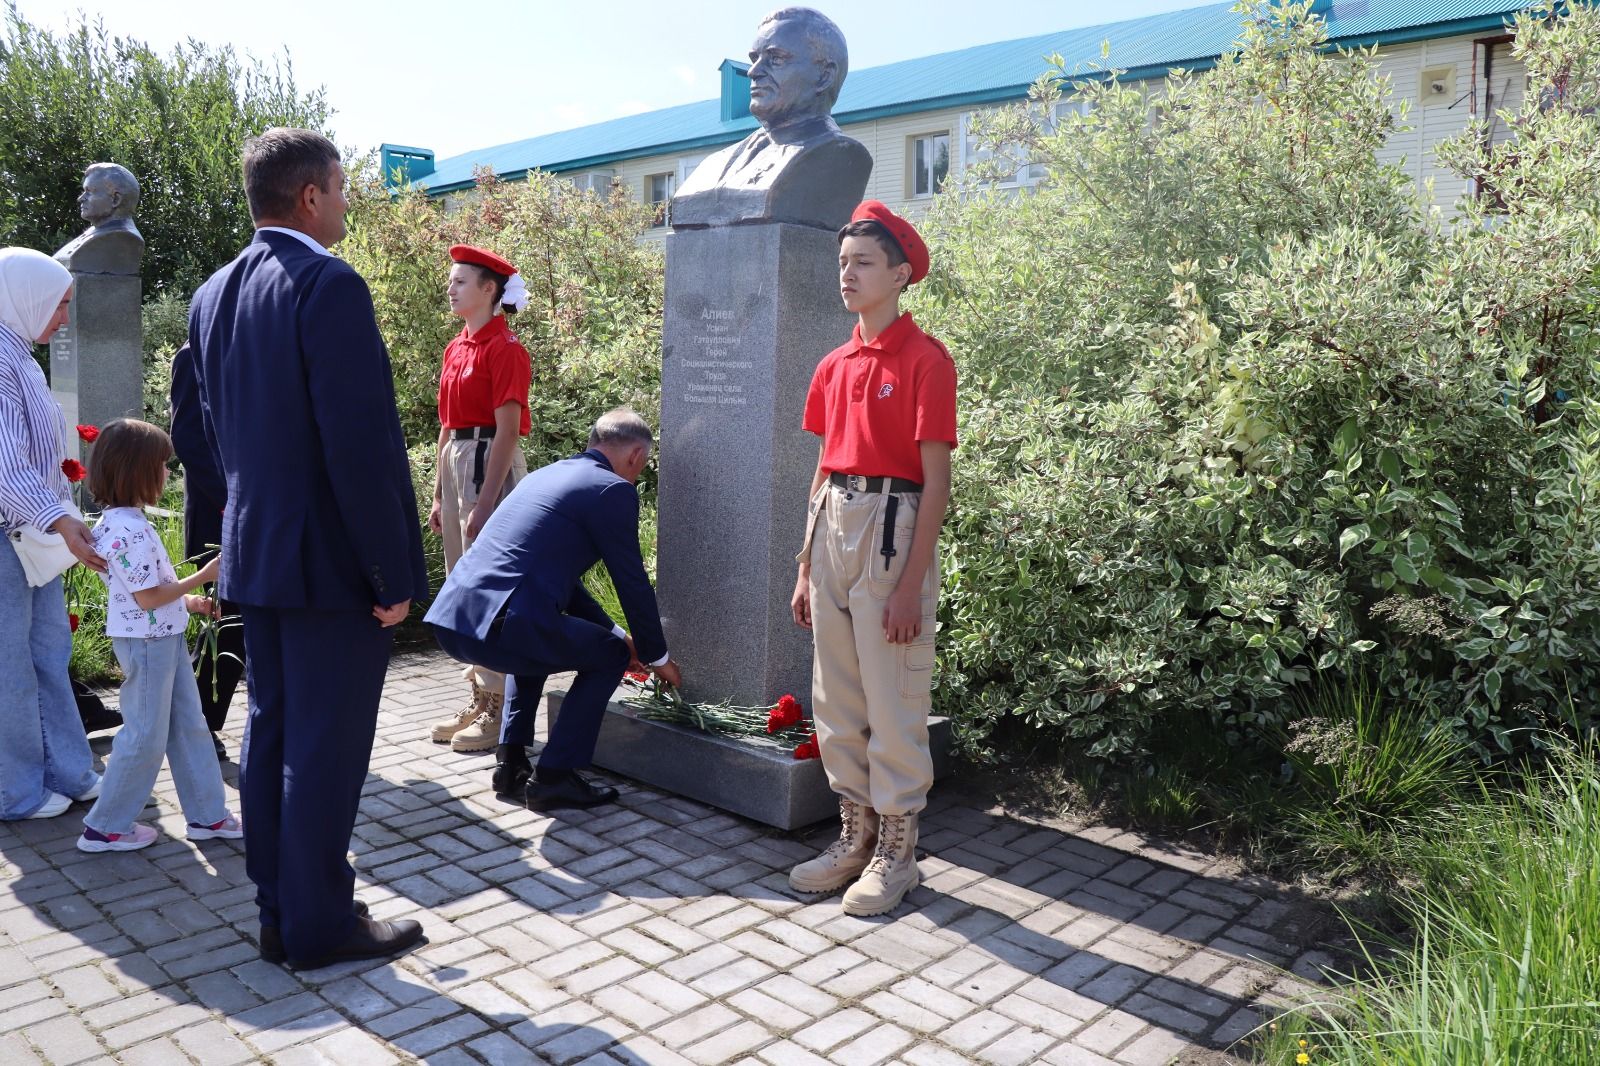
{"x":516,"y":293}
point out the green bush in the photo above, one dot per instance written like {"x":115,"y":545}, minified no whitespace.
{"x":165,"y":321}
{"x":177,"y":121}
{"x":1238,"y":410}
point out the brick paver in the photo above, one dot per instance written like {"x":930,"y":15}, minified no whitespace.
{"x":658,"y":931}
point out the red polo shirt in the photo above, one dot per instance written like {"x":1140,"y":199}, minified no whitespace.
{"x":481,"y":372}
{"x":873,"y":404}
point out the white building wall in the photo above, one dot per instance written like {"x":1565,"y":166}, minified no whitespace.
{"x":1432,"y":118}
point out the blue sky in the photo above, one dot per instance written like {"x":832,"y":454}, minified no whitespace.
{"x":452,"y":76}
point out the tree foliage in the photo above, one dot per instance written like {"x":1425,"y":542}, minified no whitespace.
{"x":1240,"y":408}
{"x":177,"y":122}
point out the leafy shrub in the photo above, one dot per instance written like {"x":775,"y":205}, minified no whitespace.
{"x":177,"y":121}
{"x":1238,"y":410}
{"x":165,"y":322}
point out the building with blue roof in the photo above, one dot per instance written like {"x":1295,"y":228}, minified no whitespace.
{"x":1449,"y":58}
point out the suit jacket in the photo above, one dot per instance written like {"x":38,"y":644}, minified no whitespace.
{"x":807,"y":173}
{"x":205,"y":494}
{"x":297,"y":405}
{"x":528,"y":562}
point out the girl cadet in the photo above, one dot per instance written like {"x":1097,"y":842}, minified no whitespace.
{"x":483,"y":415}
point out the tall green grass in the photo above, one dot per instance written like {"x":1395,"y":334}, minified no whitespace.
{"x":1504,"y":965}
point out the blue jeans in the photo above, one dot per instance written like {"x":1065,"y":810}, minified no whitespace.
{"x":161,"y":717}
{"x":42,"y":746}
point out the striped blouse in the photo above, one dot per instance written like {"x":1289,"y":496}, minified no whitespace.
{"x":33,"y":490}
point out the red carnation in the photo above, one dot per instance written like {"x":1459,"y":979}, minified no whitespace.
{"x":807,"y":748}
{"x":637,"y":676}
{"x":73,"y":469}
{"x":88,"y":434}
{"x":72,"y":621}
{"x":787,"y":713}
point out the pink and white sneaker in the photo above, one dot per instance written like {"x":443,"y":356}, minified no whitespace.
{"x":140,"y":836}
{"x":227,"y":829}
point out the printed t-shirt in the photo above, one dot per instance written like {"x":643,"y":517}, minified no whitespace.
{"x":481,"y":372}
{"x":873,"y":403}
{"x":135,"y":560}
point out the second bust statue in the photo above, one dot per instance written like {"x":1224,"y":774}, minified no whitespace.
{"x":798,"y":167}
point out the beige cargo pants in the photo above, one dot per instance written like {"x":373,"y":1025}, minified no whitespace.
{"x":870,"y":698}
{"x":457,"y":497}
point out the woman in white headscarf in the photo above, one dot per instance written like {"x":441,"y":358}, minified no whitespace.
{"x":45,"y":762}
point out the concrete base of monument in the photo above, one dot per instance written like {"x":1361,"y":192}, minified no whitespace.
{"x":767,"y":785}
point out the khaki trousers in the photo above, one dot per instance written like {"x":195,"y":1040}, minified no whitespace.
{"x":457,"y":497}
{"x":870,"y":698}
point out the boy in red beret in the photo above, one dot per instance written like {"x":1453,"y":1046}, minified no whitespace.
{"x":885,"y":406}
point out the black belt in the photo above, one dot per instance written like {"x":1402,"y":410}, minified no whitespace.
{"x":481,"y":434}
{"x":857,"y":483}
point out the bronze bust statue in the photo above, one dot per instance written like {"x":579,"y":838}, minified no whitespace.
{"x":112,"y":244}
{"x":798,"y":167}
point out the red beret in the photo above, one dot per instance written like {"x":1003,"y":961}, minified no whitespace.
{"x":466,"y":253}
{"x":903,"y":232}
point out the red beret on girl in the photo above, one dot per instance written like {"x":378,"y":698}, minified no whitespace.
{"x":466,"y":253}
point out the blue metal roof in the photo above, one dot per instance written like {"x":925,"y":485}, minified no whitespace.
{"x":989,"y":73}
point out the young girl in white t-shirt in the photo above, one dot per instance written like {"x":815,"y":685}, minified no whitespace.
{"x":147,"y":612}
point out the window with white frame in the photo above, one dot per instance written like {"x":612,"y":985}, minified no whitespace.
{"x":597,"y":182}
{"x":686,"y":166}
{"x":1027,"y":172}
{"x":928,"y":163}
{"x":658,"y":190}
{"x":975,"y":153}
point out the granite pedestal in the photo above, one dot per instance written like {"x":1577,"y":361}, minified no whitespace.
{"x":750,"y":311}
{"x":766,"y":784}
{"x":97,"y":358}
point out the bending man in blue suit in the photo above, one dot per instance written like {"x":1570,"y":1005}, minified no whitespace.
{"x":321,"y":546}
{"x":516,"y":604}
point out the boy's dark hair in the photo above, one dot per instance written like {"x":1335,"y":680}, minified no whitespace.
{"x":499,"y":279}
{"x":866,"y":227}
{"x":125,"y":468}
{"x":279,"y":164}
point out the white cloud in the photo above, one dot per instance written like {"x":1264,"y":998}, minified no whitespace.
{"x":686,"y":74}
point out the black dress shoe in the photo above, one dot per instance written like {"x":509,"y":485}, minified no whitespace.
{"x":570,"y":791}
{"x":513,"y":770}
{"x":222,"y":752}
{"x":371,"y":939}
{"x":272,"y":940}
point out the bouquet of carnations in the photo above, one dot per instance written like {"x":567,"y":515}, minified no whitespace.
{"x":783,"y":725}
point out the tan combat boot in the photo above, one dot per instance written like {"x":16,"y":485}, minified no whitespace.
{"x":443,"y":731}
{"x":845,"y":858}
{"x":483,"y":734}
{"x":891,"y":873}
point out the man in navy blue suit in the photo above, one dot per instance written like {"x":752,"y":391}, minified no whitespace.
{"x":516,"y":604}
{"x":321,"y":546}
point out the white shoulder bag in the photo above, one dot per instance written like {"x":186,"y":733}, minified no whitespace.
{"x":44,"y":556}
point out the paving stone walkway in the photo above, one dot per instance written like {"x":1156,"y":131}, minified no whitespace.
{"x":655,"y":932}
